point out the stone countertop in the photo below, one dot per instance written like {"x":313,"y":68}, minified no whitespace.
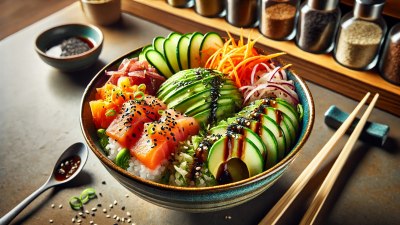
{"x":39,"y":118}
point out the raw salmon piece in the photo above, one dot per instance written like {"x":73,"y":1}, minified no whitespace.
{"x":161,"y":138}
{"x":128,"y":126}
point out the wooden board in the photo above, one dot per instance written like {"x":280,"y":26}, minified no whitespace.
{"x":320,"y":69}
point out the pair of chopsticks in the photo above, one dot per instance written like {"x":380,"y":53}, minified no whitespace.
{"x":316,"y":205}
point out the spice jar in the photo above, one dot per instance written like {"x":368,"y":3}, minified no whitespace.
{"x":317,"y":25}
{"x":180,"y":3}
{"x":360,"y":35}
{"x":278,"y":18}
{"x":241,"y":13}
{"x":209,"y":8}
{"x":389,"y":65}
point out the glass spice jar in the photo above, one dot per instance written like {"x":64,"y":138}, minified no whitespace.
{"x":360,"y":35}
{"x":241,"y":13}
{"x":389,"y":65}
{"x":209,"y":8}
{"x":180,"y":3}
{"x":278,"y":19}
{"x":317,"y":25}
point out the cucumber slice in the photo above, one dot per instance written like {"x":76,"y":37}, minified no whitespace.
{"x":157,"y":61}
{"x":210,"y":44}
{"x":170,"y":51}
{"x":142,"y":56}
{"x":182,"y":53}
{"x":158,"y":44}
{"x":194,"y":50}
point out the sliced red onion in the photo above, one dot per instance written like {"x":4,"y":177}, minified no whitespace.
{"x":271,"y":83}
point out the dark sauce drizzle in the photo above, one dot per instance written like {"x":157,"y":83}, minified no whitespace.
{"x":201,"y":153}
{"x":234,"y":132}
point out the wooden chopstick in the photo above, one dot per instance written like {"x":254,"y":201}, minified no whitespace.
{"x":316,"y":205}
{"x":287,"y":199}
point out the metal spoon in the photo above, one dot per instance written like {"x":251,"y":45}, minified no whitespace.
{"x":77,"y":149}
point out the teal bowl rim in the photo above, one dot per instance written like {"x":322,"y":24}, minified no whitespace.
{"x":100,"y":78}
{"x":96,"y":45}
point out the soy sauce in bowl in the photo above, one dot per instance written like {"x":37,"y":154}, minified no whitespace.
{"x":70,"y":47}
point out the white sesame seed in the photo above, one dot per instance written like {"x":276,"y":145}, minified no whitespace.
{"x":52,"y":205}
{"x":129,"y":220}
{"x":108,"y":216}
{"x":115,"y":216}
{"x":80,"y":213}
{"x":118,"y":219}
{"x":87,"y":211}
{"x":123,"y":219}
{"x":111,"y":205}
{"x":128,"y":214}
{"x":51,"y":221}
{"x":104,"y":210}
{"x":91,"y":222}
{"x":115,"y":202}
{"x":79,"y":221}
{"x":60,"y":206}
{"x":73,"y":220}
{"x":126,"y":195}
{"x":94,"y":209}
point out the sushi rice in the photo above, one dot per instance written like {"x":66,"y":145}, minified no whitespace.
{"x":175,"y":173}
{"x":135,"y":166}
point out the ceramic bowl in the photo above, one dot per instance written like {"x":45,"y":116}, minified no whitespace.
{"x":191,"y":199}
{"x":56,"y":35}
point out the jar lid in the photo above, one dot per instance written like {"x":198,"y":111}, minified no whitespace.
{"x":322,"y":4}
{"x":368,"y":9}
{"x":371,"y":2}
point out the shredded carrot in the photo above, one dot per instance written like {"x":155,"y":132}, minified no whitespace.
{"x":286,"y":66}
{"x":237,"y":59}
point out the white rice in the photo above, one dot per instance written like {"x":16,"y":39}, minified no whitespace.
{"x":135,"y":166}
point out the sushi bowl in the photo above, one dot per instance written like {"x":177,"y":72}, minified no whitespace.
{"x":193,"y":199}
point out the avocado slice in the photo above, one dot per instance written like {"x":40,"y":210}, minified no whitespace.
{"x":267,"y":137}
{"x":285,"y":123}
{"x":248,"y":133}
{"x":233,"y":147}
{"x":205,"y":94}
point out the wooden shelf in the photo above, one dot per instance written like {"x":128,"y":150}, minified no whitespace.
{"x":319,"y":69}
